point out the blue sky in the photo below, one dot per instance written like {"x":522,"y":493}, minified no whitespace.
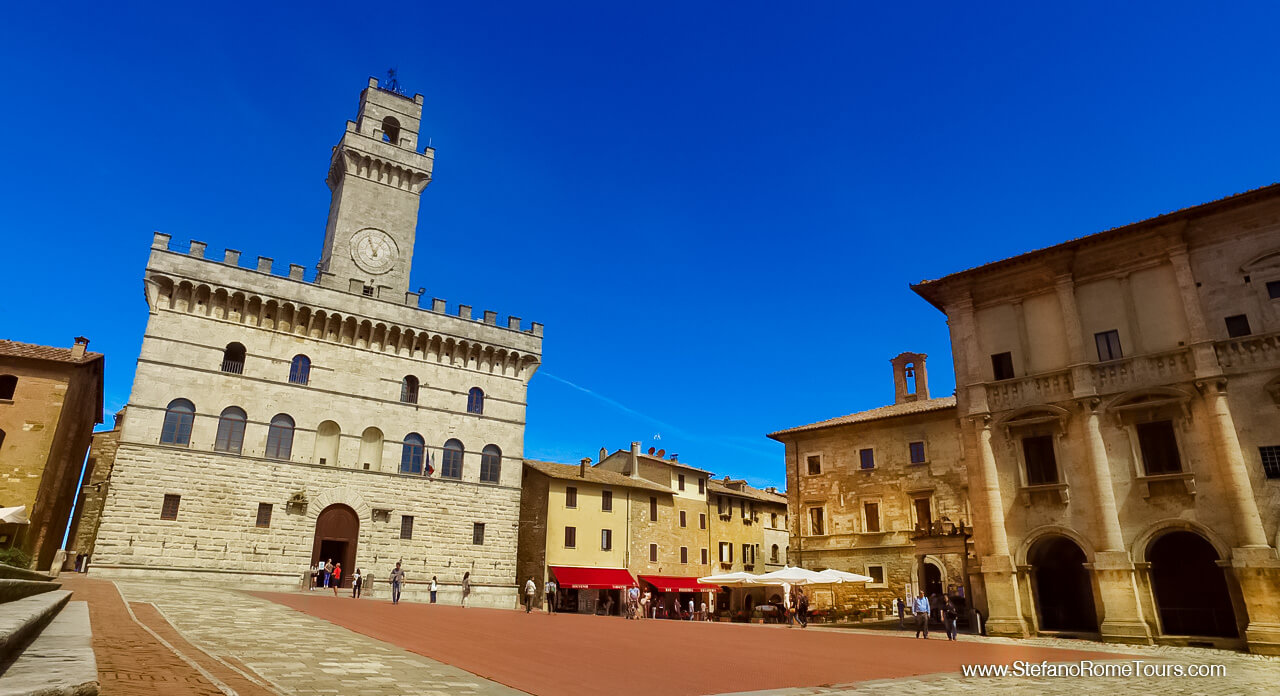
{"x":715,"y":209}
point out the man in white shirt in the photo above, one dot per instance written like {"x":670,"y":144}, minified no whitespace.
{"x":529,"y":590}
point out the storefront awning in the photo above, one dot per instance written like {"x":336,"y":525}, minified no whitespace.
{"x":668,"y":583}
{"x":573,"y":578}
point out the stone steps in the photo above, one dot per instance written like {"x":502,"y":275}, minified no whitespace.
{"x":22,"y":620}
{"x":58,"y":662}
{"x":13,"y":590}
{"x":9,"y":572}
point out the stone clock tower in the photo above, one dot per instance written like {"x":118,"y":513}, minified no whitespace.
{"x":376,"y":175}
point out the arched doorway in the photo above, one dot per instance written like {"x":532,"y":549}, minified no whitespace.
{"x":932,"y":580}
{"x":337,"y":531}
{"x":1190,"y":588}
{"x":1063,"y":588}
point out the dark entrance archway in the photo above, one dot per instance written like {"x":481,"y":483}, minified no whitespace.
{"x":1063,"y":588}
{"x":932,"y":581}
{"x":337,"y":532}
{"x":1190,"y":588}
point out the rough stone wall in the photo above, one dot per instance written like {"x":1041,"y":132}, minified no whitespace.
{"x":215,"y":529}
{"x":531,"y":552}
{"x":93,"y":491}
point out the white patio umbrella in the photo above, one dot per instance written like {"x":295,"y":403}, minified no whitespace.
{"x":738,"y":579}
{"x":14,"y":515}
{"x":790,"y":576}
{"x":831,"y":575}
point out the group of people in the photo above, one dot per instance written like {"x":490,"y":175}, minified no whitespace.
{"x":922,"y":607}
{"x":328,"y":574}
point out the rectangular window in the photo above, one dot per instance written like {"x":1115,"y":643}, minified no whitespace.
{"x":924,"y":516}
{"x":1108,"y":345}
{"x":606,"y":539}
{"x":477,"y":533}
{"x":684,"y":554}
{"x":653,"y":509}
{"x":721,"y":505}
{"x":1002,"y":366}
{"x":653,"y":553}
{"x":1042,"y":464}
{"x":871,"y":512}
{"x":702,"y":485}
{"x":1238,"y":326}
{"x":916,"y":450}
{"x":264,"y":515}
{"x":702,"y":520}
{"x":680,"y":481}
{"x":169,"y":510}
{"x":1270,"y":460}
{"x":726,"y":552}
{"x":1273,"y":289}
{"x":876,"y":573}
{"x":682,"y":522}
{"x":815,"y":521}
{"x":867,"y":458}
{"x":606,"y":501}
{"x":748,"y":554}
{"x":704,"y":557}
{"x":1159,"y":448}
{"x":571,"y":497}
{"x":406,"y":526}
{"x":746,"y":509}
{"x":368,"y":291}
{"x":815,"y":464}
{"x":570,"y":537}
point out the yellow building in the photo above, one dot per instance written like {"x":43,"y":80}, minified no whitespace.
{"x":50,"y":399}
{"x":747,"y":526}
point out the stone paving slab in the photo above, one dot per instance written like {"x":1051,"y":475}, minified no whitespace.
{"x":298,"y":654}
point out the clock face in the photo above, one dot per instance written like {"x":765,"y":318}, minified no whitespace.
{"x":373,"y":250}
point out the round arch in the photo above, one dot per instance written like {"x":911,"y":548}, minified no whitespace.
{"x":1142,"y":542}
{"x":1062,"y":588}
{"x":337,"y":534}
{"x":1023,"y":552}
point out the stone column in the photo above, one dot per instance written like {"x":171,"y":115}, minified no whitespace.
{"x":1202,"y":353}
{"x":1254,"y":561}
{"x":1004,"y":612}
{"x":1081,"y":374}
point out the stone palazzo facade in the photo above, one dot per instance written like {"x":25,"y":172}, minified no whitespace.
{"x":276,"y":421}
{"x":1119,"y":404}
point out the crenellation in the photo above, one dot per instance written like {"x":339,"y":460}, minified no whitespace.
{"x":464,"y":311}
{"x":231,"y":257}
{"x":513,"y":323}
{"x":439,"y":305}
{"x":197,"y":249}
{"x":490,"y":318}
{"x":296,"y":271}
{"x":160,"y":240}
{"x":264,"y":264}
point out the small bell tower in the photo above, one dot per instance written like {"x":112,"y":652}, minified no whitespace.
{"x":910,"y":380}
{"x":376,"y":176}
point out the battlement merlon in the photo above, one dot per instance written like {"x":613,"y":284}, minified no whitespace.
{"x":195,"y":268}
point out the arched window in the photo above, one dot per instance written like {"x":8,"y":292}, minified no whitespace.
{"x":451,"y":462}
{"x":774,"y":557}
{"x":230,"y":430}
{"x":490,"y":464}
{"x":233,"y":359}
{"x":371,"y":449}
{"x":8,"y":385}
{"x":328,"y":435}
{"x":300,"y":370}
{"x":409,"y":389}
{"x":391,"y":130}
{"x":475,"y":400}
{"x":280,"y":437}
{"x":178,"y":418}
{"x":411,"y":455}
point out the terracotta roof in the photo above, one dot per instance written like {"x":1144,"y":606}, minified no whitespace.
{"x":13,"y":349}
{"x":660,"y":460}
{"x":573,"y":472}
{"x":719,"y":487}
{"x":891,"y":411}
{"x":924,"y":287}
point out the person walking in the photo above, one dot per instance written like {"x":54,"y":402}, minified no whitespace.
{"x":397,"y":579}
{"x":337,"y":578}
{"x":949,"y":616}
{"x":551,"y":588}
{"x":920,"y":612}
{"x":901,"y":608}
{"x":692,"y":615}
{"x":529,"y":590}
{"x":802,"y":608}
{"x":328,"y":572}
{"x":466,"y":588}
{"x":644,"y":604}
{"x":633,"y":602}
{"x":356,"y":579}
{"x":434,"y":587}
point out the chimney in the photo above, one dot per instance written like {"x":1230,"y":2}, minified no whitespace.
{"x":582,"y":467}
{"x":633,"y":462}
{"x":675,"y":457}
{"x":77,"y":350}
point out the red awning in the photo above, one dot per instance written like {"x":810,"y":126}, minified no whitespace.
{"x":668,"y":583}
{"x":592,"y":578}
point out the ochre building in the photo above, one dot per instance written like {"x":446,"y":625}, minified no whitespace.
{"x":864,"y":486}
{"x":50,"y":399}
{"x":1119,"y":402}
{"x":277,"y":420}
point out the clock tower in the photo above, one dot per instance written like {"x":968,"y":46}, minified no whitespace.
{"x":376,"y":176}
